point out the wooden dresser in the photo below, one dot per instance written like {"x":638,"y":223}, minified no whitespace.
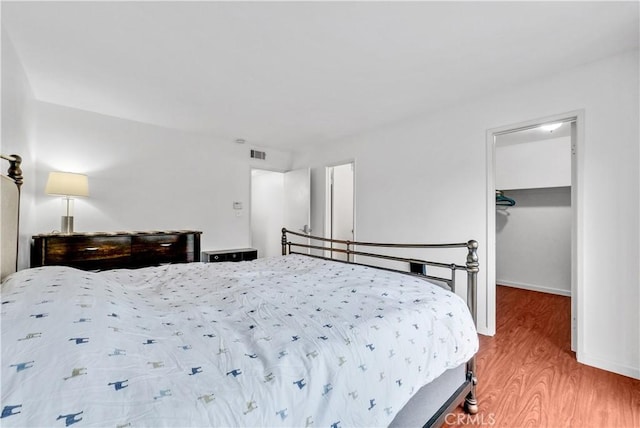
{"x":99,"y":251}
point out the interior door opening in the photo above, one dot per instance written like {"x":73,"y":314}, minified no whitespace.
{"x":278,"y":199}
{"x":340,"y":205}
{"x":536,"y":168}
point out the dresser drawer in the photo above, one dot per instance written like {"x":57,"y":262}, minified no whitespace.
{"x":85,"y":251}
{"x":249,"y":254}
{"x":242,"y":254}
{"x":221,"y":257}
{"x":156,"y":249}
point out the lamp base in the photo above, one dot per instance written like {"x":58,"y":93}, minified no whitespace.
{"x":66,"y":225}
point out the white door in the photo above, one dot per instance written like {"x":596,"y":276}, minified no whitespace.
{"x":297,"y":204}
{"x":267,"y":211}
{"x":340,"y":206}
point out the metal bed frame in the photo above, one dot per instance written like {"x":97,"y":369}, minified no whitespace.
{"x":466,"y":391}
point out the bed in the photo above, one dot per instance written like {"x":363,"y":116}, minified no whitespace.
{"x":296,"y":340}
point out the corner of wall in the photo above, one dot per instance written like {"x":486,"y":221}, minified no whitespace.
{"x":17,"y":119}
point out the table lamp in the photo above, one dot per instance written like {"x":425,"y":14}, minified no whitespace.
{"x":67,"y":184}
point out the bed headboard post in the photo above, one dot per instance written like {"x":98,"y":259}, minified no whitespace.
{"x":472,"y":277}
{"x":284,"y":241}
{"x":15,"y":172}
{"x":10,"y":215}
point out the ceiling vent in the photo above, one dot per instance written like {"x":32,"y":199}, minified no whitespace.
{"x":257,"y":154}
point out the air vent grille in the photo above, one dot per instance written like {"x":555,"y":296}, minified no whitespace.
{"x":257,"y":154}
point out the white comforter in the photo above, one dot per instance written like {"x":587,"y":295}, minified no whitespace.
{"x":292,"y":341}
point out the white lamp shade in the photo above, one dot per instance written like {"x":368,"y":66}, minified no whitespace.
{"x":67,"y":184}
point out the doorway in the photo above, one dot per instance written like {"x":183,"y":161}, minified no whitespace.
{"x":340,"y":205}
{"x":563,"y":193}
{"x":533,"y":174}
{"x":278,"y":199}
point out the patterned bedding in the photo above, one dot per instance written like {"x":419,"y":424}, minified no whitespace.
{"x":286,"y":341}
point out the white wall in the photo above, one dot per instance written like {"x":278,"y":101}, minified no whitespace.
{"x":533,"y":164}
{"x":17,"y":137}
{"x":533,"y":240}
{"x":144,"y":177}
{"x":267,"y":212}
{"x":425,"y":180}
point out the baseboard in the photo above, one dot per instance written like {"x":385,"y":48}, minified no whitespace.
{"x":533,"y":287}
{"x":621,"y":369}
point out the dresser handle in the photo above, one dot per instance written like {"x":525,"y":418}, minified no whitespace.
{"x":92,"y":248}
{"x":165,"y":245}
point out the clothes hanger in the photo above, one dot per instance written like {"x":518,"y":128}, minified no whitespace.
{"x":503,"y":200}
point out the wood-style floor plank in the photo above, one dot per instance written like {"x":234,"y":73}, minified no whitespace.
{"x":529,"y":377}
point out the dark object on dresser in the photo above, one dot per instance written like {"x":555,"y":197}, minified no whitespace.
{"x":241,"y":254}
{"x":99,"y":251}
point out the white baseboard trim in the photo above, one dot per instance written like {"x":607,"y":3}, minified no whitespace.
{"x":610,"y":366}
{"x":533,"y":287}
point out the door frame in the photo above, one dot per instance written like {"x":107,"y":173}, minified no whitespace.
{"x":577,"y":210}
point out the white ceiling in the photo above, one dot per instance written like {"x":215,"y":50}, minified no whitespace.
{"x":286,"y":74}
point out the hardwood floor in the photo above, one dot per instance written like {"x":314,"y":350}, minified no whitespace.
{"x":529,"y":377}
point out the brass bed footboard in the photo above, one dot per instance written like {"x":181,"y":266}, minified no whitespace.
{"x":353,"y":249}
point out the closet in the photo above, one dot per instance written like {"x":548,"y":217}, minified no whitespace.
{"x":533,"y":209}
